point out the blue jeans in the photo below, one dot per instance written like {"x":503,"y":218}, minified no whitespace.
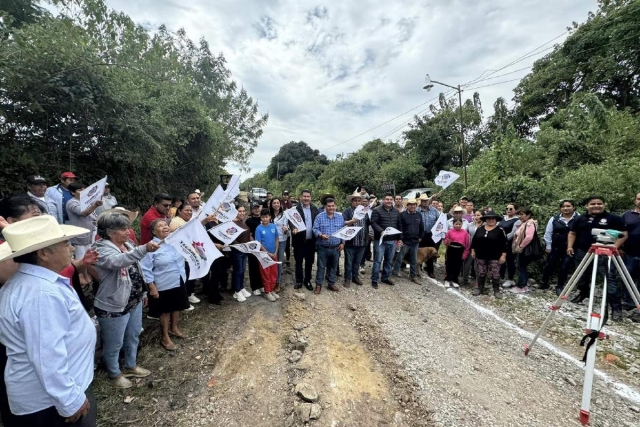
{"x":281,"y":248}
{"x":557,"y":254}
{"x":633,"y":265}
{"x":120,"y":333}
{"x":353,"y":256}
{"x":327,"y":260}
{"x":382,"y":254}
{"x":412,"y":249}
{"x":522,"y":262}
{"x":239,"y":260}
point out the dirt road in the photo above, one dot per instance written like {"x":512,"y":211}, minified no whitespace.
{"x":406,"y":355}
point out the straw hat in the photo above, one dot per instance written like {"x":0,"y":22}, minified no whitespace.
{"x":412,"y":201}
{"x":35,"y":233}
{"x":355,"y":194}
{"x":326,"y":196}
{"x":120,"y":210}
{"x":424,"y":196}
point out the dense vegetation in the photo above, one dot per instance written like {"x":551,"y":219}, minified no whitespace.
{"x":90,"y":91}
{"x":574,"y":131}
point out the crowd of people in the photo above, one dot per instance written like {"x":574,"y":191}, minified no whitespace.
{"x":69,"y":273}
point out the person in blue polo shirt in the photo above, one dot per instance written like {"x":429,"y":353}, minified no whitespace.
{"x":329,"y":247}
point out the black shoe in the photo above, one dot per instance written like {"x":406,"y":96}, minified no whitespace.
{"x":544,"y":286}
{"x":388,"y":282}
{"x":616,"y":314}
{"x":297,"y":286}
{"x":559,"y":291}
{"x":628,"y":307}
{"x":215,"y":301}
{"x":635,"y":317}
{"x":431,"y":275}
{"x":308,"y":286}
{"x":375,"y":285}
{"x":578,"y":299}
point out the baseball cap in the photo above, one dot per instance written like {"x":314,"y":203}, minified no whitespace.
{"x":255,"y":205}
{"x":36,"y":179}
{"x":285,"y":192}
{"x":66,"y":175}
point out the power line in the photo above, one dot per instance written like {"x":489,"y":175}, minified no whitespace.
{"x":505,"y":74}
{"x":495,"y":84}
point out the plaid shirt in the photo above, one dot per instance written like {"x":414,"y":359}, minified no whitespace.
{"x":429,"y":218}
{"x":359,"y":239}
{"x":325,"y":225}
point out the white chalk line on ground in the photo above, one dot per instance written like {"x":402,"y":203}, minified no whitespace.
{"x":570,"y":315}
{"x":620,"y":388}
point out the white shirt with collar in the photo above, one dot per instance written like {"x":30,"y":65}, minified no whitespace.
{"x":50,"y":342}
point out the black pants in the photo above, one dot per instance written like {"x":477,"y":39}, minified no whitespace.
{"x":510,"y":266}
{"x":453,"y":265}
{"x":218,"y":278}
{"x":8,"y":419}
{"x":190,"y":284}
{"x":427,"y":242}
{"x":50,"y":418}
{"x":367,"y":249}
{"x":287,"y":249}
{"x":304,"y":253}
{"x":255,"y":279}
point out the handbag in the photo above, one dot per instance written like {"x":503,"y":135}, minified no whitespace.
{"x":534,"y":250}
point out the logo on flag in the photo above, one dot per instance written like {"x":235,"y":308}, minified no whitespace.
{"x":199,"y":247}
{"x":192,"y":242}
{"x":446,"y":178}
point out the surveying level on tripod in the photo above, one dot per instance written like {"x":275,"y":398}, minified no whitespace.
{"x":606,"y":237}
{"x":603,"y":248}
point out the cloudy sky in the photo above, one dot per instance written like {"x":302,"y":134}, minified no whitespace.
{"x":327,"y":71}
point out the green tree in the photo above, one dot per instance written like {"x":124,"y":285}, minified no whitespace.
{"x":292,"y":155}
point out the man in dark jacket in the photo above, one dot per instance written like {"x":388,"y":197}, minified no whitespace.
{"x":383,"y":217}
{"x":354,"y":248}
{"x":412,"y":233}
{"x":304,"y":242}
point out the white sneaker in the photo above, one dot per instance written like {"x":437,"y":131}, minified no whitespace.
{"x":262,"y":290}
{"x":447,"y":284}
{"x":276,"y":296}
{"x":239,"y":296}
{"x":508,"y":284}
{"x":245,"y":293}
{"x":455,"y":285}
{"x":269,"y":297}
{"x":152,"y":318}
{"x":193,"y":299}
{"x":257,"y":292}
{"x":190,"y":308}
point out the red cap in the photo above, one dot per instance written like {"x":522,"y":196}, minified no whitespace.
{"x":67,"y":175}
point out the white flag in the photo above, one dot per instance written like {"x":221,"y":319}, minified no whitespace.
{"x":233,"y":189}
{"x":249,"y":247}
{"x":212,"y":204}
{"x":265,"y":259}
{"x":446,"y":178}
{"x":439,"y":229}
{"x":347,"y":233}
{"x":296,"y":219}
{"x":388,"y":231}
{"x":226,"y":232}
{"x":92,"y":194}
{"x":361,"y":212}
{"x":226,"y":212}
{"x":193,"y":242}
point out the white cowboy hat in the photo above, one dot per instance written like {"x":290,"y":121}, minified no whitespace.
{"x":35,"y":233}
{"x":132,"y":215}
{"x":412,"y":201}
{"x":355,"y":194}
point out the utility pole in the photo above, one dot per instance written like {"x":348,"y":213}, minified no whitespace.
{"x":428,"y":86}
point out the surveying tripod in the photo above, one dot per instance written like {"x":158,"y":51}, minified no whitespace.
{"x":595,"y":321}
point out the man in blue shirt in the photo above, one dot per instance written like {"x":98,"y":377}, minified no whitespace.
{"x":429,"y":217}
{"x":49,"y":336}
{"x":329,"y":247}
{"x":58,"y":196}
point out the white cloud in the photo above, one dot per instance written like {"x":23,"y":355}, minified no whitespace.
{"x":327,"y":71}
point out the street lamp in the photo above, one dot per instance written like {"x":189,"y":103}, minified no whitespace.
{"x":428,"y":86}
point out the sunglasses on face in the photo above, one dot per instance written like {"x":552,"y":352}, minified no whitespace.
{"x":510,"y":209}
{"x":166,"y":205}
